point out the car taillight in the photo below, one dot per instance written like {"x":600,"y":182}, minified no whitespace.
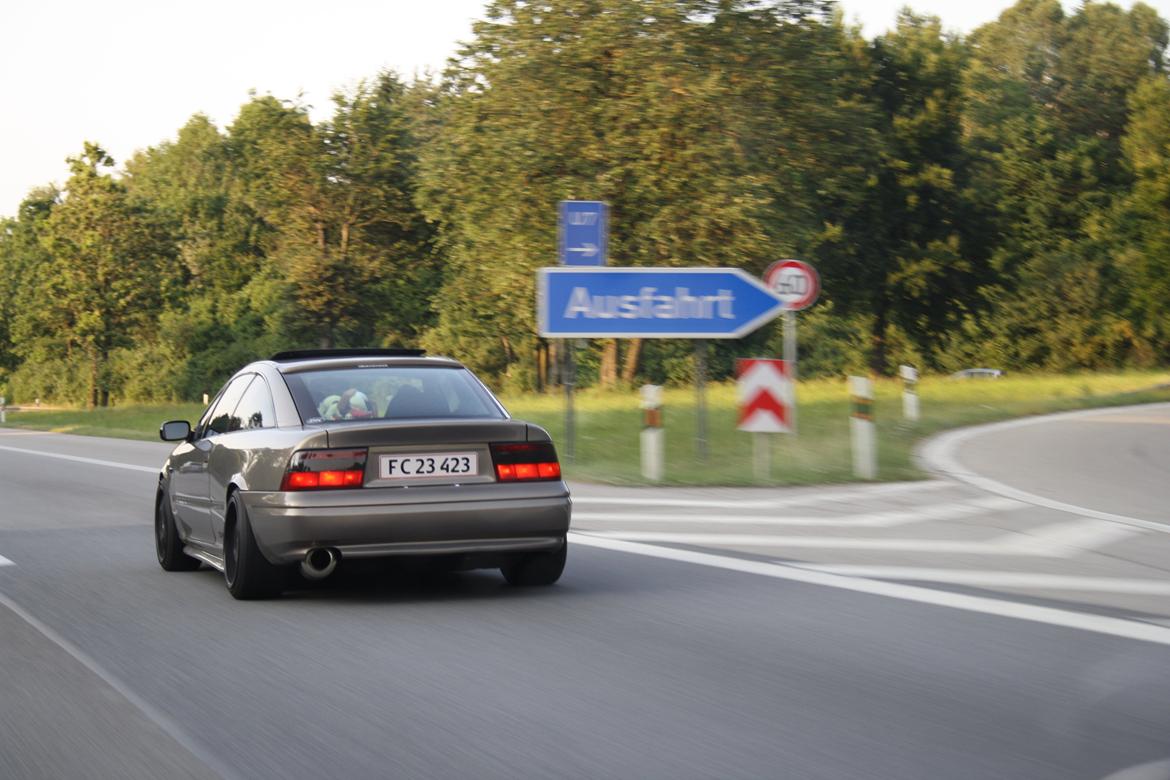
{"x":325,"y":469}
{"x":525,"y":461}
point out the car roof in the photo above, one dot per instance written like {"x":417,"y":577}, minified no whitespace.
{"x":296,"y":361}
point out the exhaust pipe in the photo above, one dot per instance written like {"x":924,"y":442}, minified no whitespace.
{"x":319,"y":563}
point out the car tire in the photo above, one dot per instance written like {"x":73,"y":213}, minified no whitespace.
{"x":167,"y":544}
{"x":536,"y":569}
{"x":246,"y":571}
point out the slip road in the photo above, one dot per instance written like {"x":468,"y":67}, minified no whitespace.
{"x":633,"y":666}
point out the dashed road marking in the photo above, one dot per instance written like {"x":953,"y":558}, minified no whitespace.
{"x":77,"y":459}
{"x":888,"y":519}
{"x":1100,"y":624}
{"x":997,"y":579}
{"x":1084,"y":534}
{"x":1059,"y":540}
{"x":5,"y":562}
{"x":831,"y":495}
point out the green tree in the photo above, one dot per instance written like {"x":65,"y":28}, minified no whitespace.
{"x":348,"y":242}
{"x":1048,"y":106}
{"x":108,"y":274}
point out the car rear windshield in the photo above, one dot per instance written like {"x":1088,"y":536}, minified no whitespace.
{"x":391,"y":393}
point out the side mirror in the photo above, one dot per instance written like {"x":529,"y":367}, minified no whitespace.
{"x":175,"y":430}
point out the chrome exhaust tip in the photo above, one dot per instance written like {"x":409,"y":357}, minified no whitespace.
{"x":319,"y":563}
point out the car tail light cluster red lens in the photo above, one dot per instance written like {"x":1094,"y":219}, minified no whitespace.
{"x":325,"y":469}
{"x":526,"y":461}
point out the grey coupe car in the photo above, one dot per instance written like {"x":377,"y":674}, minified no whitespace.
{"x":315,"y":457}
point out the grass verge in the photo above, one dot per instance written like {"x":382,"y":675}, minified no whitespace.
{"x":608,"y":424}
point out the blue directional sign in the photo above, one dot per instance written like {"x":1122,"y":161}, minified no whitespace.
{"x":665,"y":303}
{"x":584,"y":232}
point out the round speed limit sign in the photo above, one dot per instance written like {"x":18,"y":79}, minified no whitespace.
{"x":796,"y":284}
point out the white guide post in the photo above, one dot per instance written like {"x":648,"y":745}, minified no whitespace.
{"x":3,"y":410}
{"x":762,"y":456}
{"x":653,"y":436}
{"x":861,"y":428}
{"x":909,"y":376}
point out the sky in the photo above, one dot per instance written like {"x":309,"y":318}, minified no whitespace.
{"x":129,"y":73}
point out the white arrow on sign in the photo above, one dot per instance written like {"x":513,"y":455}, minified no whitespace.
{"x":589,"y":250}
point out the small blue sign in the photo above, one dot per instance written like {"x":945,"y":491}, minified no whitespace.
{"x":665,"y":303}
{"x":584,"y":232}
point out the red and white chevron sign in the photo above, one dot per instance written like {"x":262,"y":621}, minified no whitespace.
{"x":765,"y":395}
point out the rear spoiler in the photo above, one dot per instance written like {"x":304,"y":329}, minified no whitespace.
{"x":293,"y":355}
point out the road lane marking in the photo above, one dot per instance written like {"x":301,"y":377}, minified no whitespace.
{"x":1085,"y":534}
{"x":1126,"y":419}
{"x":989,"y":578}
{"x":160,"y":719}
{"x":938,"y":455}
{"x":78,"y":459}
{"x":888,"y":519}
{"x":829,"y":495}
{"x":5,"y":562}
{"x":12,"y":432}
{"x":1058,"y":540}
{"x":1155,"y":770}
{"x":816,"y":542}
{"x":1100,"y":624}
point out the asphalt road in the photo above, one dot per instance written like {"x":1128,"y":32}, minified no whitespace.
{"x":909,"y":631}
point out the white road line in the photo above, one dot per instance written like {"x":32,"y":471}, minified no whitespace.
{"x":817,"y":542}
{"x":77,"y":459}
{"x":829,"y":495}
{"x":164,"y":722}
{"x":1099,"y":624}
{"x":998,"y":579}
{"x":5,"y":562}
{"x":1058,"y":540}
{"x":1085,"y":534}
{"x":938,"y":455}
{"x":1155,"y":770}
{"x":888,"y":519}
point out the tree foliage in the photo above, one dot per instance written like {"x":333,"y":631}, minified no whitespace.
{"x":996,"y":198}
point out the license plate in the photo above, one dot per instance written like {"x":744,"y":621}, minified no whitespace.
{"x":429,"y":465}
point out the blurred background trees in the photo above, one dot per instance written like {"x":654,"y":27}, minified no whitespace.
{"x":1001,"y":198}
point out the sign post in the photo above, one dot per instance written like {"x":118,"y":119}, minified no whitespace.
{"x":861,"y":428}
{"x":653,"y":452}
{"x":909,"y":376}
{"x":582,"y":239}
{"x":701,"y":399}
{"x":790,"y":357}
{"x":3,"y":410}
{"x":764,"y":389}
{"x":797,"y":285}
{"x":569,"y":379}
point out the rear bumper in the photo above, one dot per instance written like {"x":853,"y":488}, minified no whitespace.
{"x":375,"y":522}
